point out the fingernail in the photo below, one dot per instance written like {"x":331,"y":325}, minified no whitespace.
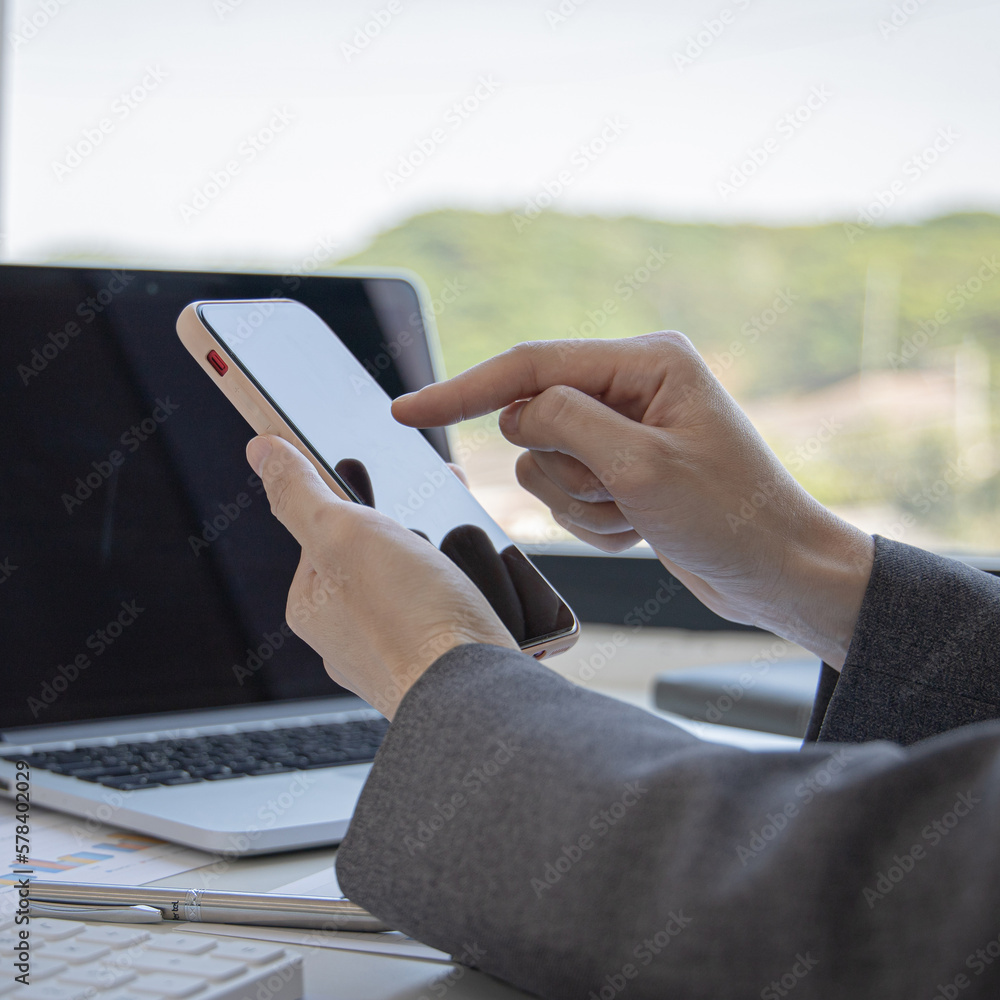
{"x":510,"y":417}
{"x":400,"y":399}
{"x":258,"y":450}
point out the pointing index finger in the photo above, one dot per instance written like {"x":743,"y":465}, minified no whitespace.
{"x":520,"y":373}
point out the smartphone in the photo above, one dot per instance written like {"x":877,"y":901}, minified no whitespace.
{"x":289,"y":374}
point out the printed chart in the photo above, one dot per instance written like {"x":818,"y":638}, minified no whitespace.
{"x":73,"y":849}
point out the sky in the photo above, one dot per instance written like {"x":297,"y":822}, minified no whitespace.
{"x":258,"y":133}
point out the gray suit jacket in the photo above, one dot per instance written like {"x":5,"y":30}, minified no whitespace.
{"x":578,"y":847}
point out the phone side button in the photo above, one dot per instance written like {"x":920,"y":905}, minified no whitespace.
{"x":217,"y":363}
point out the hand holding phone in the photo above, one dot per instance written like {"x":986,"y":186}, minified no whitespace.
{"x":375,"y":600}
{"x":289,"y":375}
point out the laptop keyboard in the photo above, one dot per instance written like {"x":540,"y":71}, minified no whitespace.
{"x":221,"y":757}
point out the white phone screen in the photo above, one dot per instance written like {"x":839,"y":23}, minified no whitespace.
{"x":343,"y":416}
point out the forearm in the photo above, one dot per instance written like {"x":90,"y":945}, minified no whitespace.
{"x":571,"y":842}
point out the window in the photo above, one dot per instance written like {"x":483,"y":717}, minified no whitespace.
{"x":808,"y":194}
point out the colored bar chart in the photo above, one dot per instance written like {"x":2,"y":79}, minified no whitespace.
{"x":67,"y":861}
{"x":126,"y":842}
{"x":71,"y":848}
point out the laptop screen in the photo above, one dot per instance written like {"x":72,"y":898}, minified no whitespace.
{"x":141,"y":570}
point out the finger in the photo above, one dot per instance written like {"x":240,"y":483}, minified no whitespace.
{"x":470,"y":548}
{"x":299,"y":499}
{"x":570,"y":475}
{"x":562,"y":419}
{"x":354,"y":473}
{"x":544,"y":612}
{"x":520,"y":373}
{"x":600,"y":518}
{"x":460,"y":472}
{"x":606,"y":543}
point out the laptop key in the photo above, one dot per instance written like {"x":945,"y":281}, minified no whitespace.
{"x":42,"y":968}
{"x":54,"y":929}
{"x":168,"y":986}
{"x":216,"y":969}
{"x":113,"y":937}
{"x":99,"y":977}
{"x":243,"y":766}
{"x":182,"y":944}
{"x":251,"y":952}
{"x":161,"y":776}
{"x":69,"y":756}
{"x":130,"y":783}
{"x":94,"y":772}
{"x":76,"y":952}
{"x":332,"y":757}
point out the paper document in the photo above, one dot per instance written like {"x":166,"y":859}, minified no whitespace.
{"x":75,"y":849}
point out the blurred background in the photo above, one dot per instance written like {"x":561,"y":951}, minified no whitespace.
{"x":810,"y":192}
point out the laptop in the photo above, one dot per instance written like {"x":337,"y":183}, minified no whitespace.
{"x":149,"y":678}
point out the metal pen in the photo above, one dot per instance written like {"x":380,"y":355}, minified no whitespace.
{"x":266,"y":909}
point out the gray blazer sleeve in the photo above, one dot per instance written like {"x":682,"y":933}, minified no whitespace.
{"x":925,"y":655}
{"x":575,"y":846}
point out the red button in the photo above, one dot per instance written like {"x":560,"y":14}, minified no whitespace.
{"x":217,"y":363}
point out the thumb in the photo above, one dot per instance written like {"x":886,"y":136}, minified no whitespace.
{"x":566,"y":420}
{"x":299,"y":499}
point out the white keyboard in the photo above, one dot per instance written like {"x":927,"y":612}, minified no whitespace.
{"x":70,"y":960}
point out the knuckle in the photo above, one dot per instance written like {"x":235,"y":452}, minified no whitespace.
{"x":551,"y":406}
{"x":677,"y":350}
{"x":671,"y":340}
{"x":526,"y":347}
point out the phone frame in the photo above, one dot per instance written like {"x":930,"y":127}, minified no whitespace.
{"x":240,"y":388}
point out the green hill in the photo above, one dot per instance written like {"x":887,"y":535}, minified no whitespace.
{"x":559,"y":274}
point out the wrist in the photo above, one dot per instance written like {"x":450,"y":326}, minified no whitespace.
{"x":825,"y":574}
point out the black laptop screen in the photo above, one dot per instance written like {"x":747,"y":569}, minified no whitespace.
{"x":140,"y":567}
